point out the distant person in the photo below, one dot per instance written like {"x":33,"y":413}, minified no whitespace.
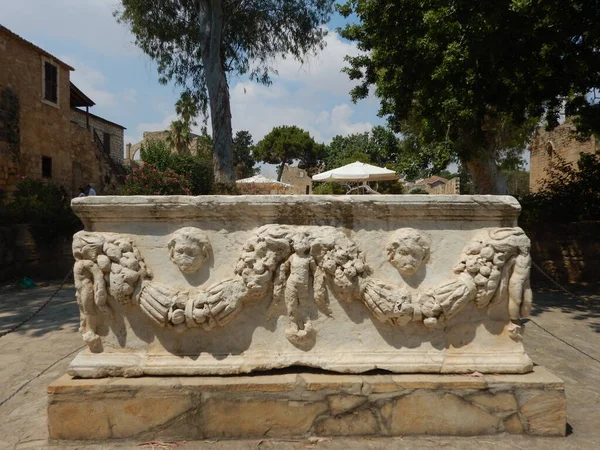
{"x":91,"y":191}
{"x":81,"y":192}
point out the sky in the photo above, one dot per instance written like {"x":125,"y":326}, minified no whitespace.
{"x":123,"y":81}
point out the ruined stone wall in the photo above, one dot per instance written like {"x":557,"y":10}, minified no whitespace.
{"x":547,"y":144}
{"x":298,"y":178}
{"x":132,"y":150}
{"x":43,"y":126}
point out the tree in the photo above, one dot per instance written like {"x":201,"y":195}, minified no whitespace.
{"x":198,"y":42}
{"x":285,"y":144}
{"x":187,"y":109}
{"x":467,"y":80}
{"x":346,"y":149}
{"x":569,"y":193}
{"x":243,"y":159}
{"x":196,"y":169}
{"x":179,"y":137}
{"x":380,"y":146}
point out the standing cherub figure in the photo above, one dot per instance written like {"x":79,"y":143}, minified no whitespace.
{"x":299,"y":266}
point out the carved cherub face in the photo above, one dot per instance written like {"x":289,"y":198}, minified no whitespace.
{"x":407,"y":249}
{"x":189,"y":248}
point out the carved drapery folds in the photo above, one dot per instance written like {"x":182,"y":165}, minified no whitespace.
{"x":300,"y":266}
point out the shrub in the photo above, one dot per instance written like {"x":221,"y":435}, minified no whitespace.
{"x":149,"y":180}
{"x":45,"y":207}
{"x":329,"y":189}
{"x":569,"y":194}
{"x":417,"y":190}
{"x":255,"y":189}
{"x":198,"y":170}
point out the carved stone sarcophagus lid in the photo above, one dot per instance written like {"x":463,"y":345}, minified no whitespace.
{"x":182,"y":285}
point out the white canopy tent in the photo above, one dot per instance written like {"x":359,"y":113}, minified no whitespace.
{"x":357,"y":171}
{"x":261,"y":179}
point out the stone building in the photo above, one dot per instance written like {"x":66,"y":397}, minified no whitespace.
{"x":546,"y":145}
{"x":436,"y":185}
{"x":43,"y":133}
{"x":197,"y":143}
{"x":298,"y":178}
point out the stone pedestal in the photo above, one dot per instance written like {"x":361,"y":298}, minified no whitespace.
{"x":298,"y":405}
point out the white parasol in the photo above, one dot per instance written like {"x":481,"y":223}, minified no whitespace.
{"x":357,"y":171}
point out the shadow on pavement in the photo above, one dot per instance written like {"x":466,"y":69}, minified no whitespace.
{"x":61,"y":313}
{"x":585,"y":308}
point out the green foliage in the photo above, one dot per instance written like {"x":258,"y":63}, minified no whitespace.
{"x":249,"y":35}
{"x":388,"y":187}
{"x":150,"y":180}
{"x":45,"y":207}
{"x":285,"y":144}
{"x":517,"y":182}
{"x":468,"y":80}
{"x":380,"y":147}
{"x":197,"y":43}
{"x":196,"y":170}
{"x":179,"y":137}
{"x":329,"y":189}
{"x":243,"y":158}
{"x":417,"y":190}
{"x":569,"y":194}
{"x":180,"y":133}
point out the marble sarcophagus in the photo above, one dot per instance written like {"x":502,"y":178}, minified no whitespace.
{"x":182,"y":285}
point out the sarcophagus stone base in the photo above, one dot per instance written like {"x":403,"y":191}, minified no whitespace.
{"x":299,"y":405}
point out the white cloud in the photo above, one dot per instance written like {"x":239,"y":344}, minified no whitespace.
{"x":89,"y":22}
{"x":313,"y":96}
{"x":94,"y":84}
{"x":164,"y":124}
{"x":322,"y":72}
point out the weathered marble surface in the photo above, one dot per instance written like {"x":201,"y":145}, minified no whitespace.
{"x":225,"y":285}
{"x":305,"y":404}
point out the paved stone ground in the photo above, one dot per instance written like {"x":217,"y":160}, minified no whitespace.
{"x":40,"y":351}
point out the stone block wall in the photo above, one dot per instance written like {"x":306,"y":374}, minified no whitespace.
{"x":21,"y":256}
{"x":90,"y":165}
{"x":298,"y":178}
{"x":44,"y":127}
{"x":450,"y":188}
{"x":10,"y":141}
{"x":300,"y":405}
{"x":102,"y":126}
{"x":547,"y":144}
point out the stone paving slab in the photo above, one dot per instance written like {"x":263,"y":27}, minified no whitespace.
{"x":52,"y":335}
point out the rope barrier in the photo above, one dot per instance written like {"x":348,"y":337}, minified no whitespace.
{"x":576,"y":297}
{"x":39,"y":375}
{"x":35,"y":313}
{"x":557,"y":284}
